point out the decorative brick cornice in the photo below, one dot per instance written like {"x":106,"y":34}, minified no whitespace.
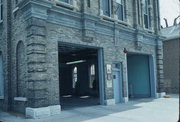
{"x":48,"y":11}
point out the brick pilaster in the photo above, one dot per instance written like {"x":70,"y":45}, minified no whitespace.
{"x":36,"y":59}
{"x":160,"y":72}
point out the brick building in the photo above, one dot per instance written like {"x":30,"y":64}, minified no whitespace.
{"x":171,"y":60}
{"x":65,"y":53}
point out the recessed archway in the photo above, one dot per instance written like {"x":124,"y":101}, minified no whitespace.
{"x":20,"y":69}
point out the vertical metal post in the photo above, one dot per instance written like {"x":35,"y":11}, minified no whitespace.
{"x":101,"y":76}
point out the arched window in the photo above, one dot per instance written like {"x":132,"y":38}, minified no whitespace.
{"x":92,"y":75}
{"x":20,"y":69}
{"x":74,"y":75}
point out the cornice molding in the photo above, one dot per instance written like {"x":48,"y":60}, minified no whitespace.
{"x":48,"y":11}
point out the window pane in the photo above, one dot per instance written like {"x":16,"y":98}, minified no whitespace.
{"x":146,"y":20}
{"x":146,"y":13}
{"x":145,"y":6}
{"x":106,"y":7}
{"x":149,"y":18}
{"x":92,"y":76}
{"x":138,"y":5}
{"x":92,"y":69}
{"x":74,"y":77}
{"x":120,"y":12}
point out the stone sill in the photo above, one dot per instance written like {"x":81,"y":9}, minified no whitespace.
{"x":1,"y":21}
{"x":114,"y":20}
{"x":107,"y":18}
{"x":20,"y":99}
{"x":122,"y":22}
{"x":149,"y":30}
{"x":63,"y":4}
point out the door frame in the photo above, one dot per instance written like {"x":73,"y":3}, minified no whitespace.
{"x":119,"y":70}
{"x":119,"y":85}
{"x":101,"y":76}
{"x":152,"y":73}
{"x":100,"y":60}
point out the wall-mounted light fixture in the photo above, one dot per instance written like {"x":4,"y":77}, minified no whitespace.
{"x":75,"y":62}
{"x":125,"y":51}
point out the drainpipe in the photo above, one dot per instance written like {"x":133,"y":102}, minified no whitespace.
{"x":9,"y":67}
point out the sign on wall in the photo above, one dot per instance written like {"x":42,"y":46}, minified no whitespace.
{"x":109,"y":68}
{"x":109,"y":71}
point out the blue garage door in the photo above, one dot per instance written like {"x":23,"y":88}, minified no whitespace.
{"x":138,"y":75}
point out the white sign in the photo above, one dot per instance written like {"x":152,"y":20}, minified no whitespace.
{"x":109,"y":69}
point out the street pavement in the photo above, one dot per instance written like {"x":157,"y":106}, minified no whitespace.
{"x":140,"y":110}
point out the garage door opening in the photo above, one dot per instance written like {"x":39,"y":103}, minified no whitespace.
{"x":138,"y":76}
{"x":78,"y":76}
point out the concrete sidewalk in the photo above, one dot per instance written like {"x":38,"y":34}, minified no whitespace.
{"x":142,"y":110}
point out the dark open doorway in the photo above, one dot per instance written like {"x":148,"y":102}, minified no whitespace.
{"x":78,"y":76}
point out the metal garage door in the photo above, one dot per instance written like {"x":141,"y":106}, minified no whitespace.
{"x":138,"y":76}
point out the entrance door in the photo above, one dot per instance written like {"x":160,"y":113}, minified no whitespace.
{"x":138,"y":76}
{"x":117,"y":85}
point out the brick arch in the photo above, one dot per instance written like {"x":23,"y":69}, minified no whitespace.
{"x":20,"y":69}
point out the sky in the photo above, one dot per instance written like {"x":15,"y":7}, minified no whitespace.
{"x":169,"y":9}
